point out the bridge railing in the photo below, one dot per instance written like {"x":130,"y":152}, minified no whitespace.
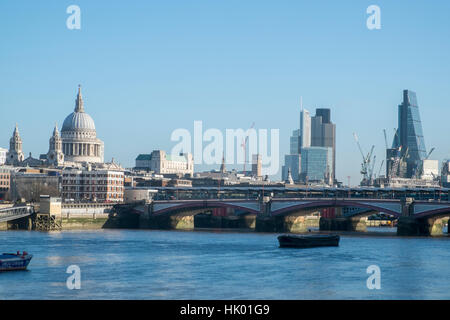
{"x":12,"y":213}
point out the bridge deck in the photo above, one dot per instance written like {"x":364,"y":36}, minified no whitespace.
{"x":13,"y":213}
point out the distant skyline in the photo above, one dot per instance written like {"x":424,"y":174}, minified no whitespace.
{"x":150,"y":67}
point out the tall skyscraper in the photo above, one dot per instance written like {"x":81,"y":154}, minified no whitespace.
{"x":317,"y":164}
{"x":292,"y":164}
{"x":295,"y":142}
{"x":257,"y":165}
{"x":305,"y":129}
{"x":409,"y":138}
{"x":312,"y":148}
{"x":323,"y":134}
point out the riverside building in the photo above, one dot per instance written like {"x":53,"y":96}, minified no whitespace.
{"x":162,"y":163}
{"x":93,"y":185}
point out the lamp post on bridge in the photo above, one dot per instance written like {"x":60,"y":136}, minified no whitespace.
{"x":349,"y":188}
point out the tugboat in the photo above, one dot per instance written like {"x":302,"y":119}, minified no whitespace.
{"x":308,"y":241}
{"x":14,"y":261}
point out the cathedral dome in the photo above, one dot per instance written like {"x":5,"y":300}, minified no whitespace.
{"x":79,"y":137}
{"x":78,"y":121}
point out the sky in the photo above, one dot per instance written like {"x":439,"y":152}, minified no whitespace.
{"x":148,"y":68}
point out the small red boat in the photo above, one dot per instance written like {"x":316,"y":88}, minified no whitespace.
{"x":14,"y":261}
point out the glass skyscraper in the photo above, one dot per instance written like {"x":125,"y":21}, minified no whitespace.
{"x":409,"y":136}
{"x":317,"y":164}
{"x":295,"y":142}
{"x":323,"y":134}
{"x":291,"y":161}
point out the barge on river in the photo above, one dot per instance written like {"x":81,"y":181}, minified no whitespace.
{"x":308,"y":241}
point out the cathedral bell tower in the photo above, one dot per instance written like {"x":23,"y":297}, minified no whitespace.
{"x":55,"y":156}
{"x":15,"y":155}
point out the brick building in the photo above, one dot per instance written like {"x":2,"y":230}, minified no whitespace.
{"x":93,"y":185}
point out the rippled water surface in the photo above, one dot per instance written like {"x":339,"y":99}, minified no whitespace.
{"x":135,"y":264}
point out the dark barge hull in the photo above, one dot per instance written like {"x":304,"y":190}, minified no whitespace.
{"x":308,"y":241}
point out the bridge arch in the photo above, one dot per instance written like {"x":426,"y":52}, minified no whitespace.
{"x":177,"y":208}
{"x":279,"y":209}
{"x":434,"y":213}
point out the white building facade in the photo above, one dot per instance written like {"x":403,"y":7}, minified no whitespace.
{"x":430,"y":169}
{"x":3,"y":153}
{"x":305,"y":129}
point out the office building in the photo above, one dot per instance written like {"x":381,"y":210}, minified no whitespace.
{"x":305,"y":130}
{"x":323,"y":134}
{"x":317,"y":165}
{"x":409,"y":139}
{"x":295,"y":142}
{"x":292,"y":163}
{"x":445,"y":174}
{"x":257,"y":165}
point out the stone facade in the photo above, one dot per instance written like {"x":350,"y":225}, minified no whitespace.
{"x":15,"y":154}
{"x":75,"y":146}
{"x":161,"y":163}
{"x":79,"y":137}
{"x":55,"y":156}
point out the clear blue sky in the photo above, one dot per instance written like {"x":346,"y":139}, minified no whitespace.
{"x":149,"y":67}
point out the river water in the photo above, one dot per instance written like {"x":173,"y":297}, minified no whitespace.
{"x":143,"y":264}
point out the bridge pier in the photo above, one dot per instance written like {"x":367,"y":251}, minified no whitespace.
{"x":225,"y":222}
{"x":291,"y":223}
{"x":170,"y":222}
{"x":343,"y":224}
{"x":410,"y":226}
{"x":24,"y":223}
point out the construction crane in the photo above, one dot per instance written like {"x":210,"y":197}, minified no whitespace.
{"x":365,"y":165}
{"x":381,"y":167}
{"x":371,"y":177}
{"x":244,"y":145}
{"x":396,"y":137}
{"x":385,"y":139}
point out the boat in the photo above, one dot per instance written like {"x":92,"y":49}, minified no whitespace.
{"x":308,"y":241}
{"x":14,"y":261}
